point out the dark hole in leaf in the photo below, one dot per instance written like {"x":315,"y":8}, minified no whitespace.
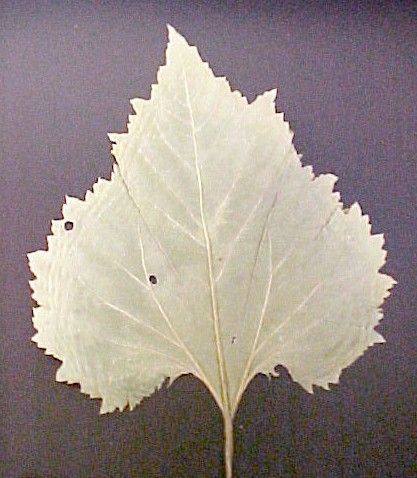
{"x":153,"y":280}
{"x":68,"y":225}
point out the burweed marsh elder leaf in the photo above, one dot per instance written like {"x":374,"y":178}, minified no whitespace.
{"x":211,"y":251}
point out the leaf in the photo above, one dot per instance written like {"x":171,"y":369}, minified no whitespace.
{"x":211,"y":251}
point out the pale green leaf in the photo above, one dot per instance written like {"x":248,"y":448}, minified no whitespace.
{"x":256,"y":262}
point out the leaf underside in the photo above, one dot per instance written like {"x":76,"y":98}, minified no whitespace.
{"x":211,"y":251}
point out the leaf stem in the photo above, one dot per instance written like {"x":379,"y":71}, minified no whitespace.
{"x":228,"y":444}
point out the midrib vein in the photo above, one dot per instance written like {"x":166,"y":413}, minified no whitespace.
{"x":214,"y":304}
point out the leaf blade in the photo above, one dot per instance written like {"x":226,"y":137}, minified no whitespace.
{"x":246,"y":249}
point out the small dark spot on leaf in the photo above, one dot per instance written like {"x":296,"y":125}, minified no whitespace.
{"x":234,"y":339}
{"x":220,"y":259}
{"x":69,"y":225}
{"x":153,"y":280}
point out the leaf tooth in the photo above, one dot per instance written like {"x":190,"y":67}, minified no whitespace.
{"x":308,"y":387}
{"x":52,"y":242}
{"x":40,"y":341}
{"x":390,"y":282}
{"x":113,"y":137}
{"x":106,"y":408}
{"x":132,"y":122}
{"x":71,"y":203}
{"x":378,"y":240}
{"x":35,"y":338}
{"x":266,"y":101}
{"x":328,"y":181}
{"x":65,"y":374}
{"x":99,"y":185}
{"x":138,"y":103}
{"x":70,"y":199}
{"x":117,"y":137}
{"x":335,"y":378}
{"x":57,"y":230}
{"x":378,"y":338}
{"x":37,"y":261}
{"x":355,"y":210}
{"x":308,"y":170}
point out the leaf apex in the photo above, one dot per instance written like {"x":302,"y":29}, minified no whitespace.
{"x":170,"y":29}
{"x":174,"y":35}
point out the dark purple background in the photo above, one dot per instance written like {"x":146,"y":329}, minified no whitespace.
{"x":347,"y":83}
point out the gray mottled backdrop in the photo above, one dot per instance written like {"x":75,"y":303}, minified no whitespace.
{"x":346,"y":78}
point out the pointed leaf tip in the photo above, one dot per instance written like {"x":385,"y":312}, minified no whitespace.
{"x":171,"y":29}
{"x":174,"y":35}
